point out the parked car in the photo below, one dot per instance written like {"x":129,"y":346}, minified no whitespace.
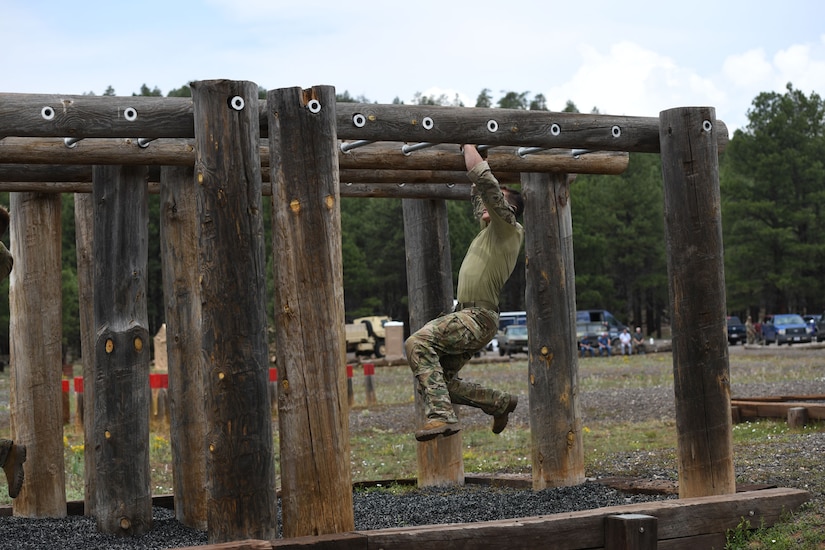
{"x":813,"y":322}
{"x":785,"y":328}
{"x":820,"y":328}
{"x":512,"y":340}
{"x":606,"y":321}
{"x":736,"y":331}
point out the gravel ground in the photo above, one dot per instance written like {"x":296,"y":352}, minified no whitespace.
{"x":789,"y":466}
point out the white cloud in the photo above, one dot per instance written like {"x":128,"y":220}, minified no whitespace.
{"x":747,"y":70}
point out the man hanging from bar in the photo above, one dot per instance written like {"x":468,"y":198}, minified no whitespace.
{"x":12,"y":456}
{"x":438,"y":351}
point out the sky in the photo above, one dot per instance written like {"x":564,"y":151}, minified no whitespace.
{"x":626,"y":57}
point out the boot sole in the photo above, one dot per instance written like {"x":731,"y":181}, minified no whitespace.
{"x":446,"y":430}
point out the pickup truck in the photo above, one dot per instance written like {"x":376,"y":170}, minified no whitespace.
{"x":512,"y":340}
{"x":786,"y":328}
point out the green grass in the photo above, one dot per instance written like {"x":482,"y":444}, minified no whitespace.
{"x":384,"y":455}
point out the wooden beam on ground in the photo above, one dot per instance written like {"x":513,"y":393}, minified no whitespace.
{"x":693,"y":236}
{"x":681,"y":523}
{"x":550,"y":294}
{"x":232,"y":265}
{"x":767,"y":409}
{"x":78,"y":116}
{"x":313,"y":421}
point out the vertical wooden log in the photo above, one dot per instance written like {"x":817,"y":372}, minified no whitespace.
{"x":78,"y":395}
{"x":84,"y":241}
{"x":736,"y":414}
{"x":66,"y":405}
{"x":369,"y":384}
{"x":36,"y":356}
{"x":430,"y":291}
{"x":797,"y":417}
{"x":631,"y":532}
{"x":553,"y":368}
{"x":350,"y":391}
{"x":693,"y":235}
{"x":121,"y":395}
{"x":181,"y":291}
{"x":316,"y":483}
{"x":240,"y":466}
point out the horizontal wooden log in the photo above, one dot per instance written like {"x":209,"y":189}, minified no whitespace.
{"x":764,"y":409}
{"x":77,"y":116}
{"x":81,"y":116}
{"x":682,"y":523}
{"x":376,"y":156}
{"x":385,"y":190}
{"x":782,"y":398}
{"x":122,"y":151}
{"x":390,"y":155}
{"x":499,"y":127}
{"x":72,"y":173}
{"x":413,"y":191}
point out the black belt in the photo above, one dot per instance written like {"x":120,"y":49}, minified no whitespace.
{"x":479,"y":303}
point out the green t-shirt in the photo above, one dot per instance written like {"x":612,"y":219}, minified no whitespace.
{"x":492,"y":255}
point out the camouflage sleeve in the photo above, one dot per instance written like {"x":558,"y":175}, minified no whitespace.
{"x":478,"y":204}
{"x":487,"y":194}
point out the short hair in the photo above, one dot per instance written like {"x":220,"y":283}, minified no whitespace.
{"x":515,"y":199}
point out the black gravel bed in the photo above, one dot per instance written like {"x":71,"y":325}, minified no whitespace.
{"x":374,"y":509}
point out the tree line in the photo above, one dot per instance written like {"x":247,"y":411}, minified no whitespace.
{"x":772,"y":182}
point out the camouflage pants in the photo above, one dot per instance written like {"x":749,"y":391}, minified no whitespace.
{"x":436,"y":353}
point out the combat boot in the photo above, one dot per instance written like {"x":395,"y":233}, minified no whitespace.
{"x":434,"y":428}
{"x":500,"y":420}
{"x":13,"y":467}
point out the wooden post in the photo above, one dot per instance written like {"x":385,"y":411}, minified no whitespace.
{"x":631,"y":532}
{"x":181,"y":291}
{"x":66,"y":398}
{"x":797,"y":417}
{"x":350,"y":391}
{"x":121,"y":395}
{"x":736,"y":414}
{"x":273,"y":390}
{"x":78,"y":396}
{"x":35,"y":335}
{"x":693,"y":235}
{"x":84,"y":241}
{"x":316,"y":486}
{"x":555,"y":415}
{"x":369,"y":384}
{"x":430,"y":291}
{"x":240,"y":466}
